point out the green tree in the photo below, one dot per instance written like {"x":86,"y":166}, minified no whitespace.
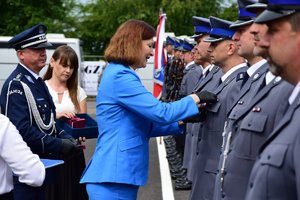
{"x":17,"y":15}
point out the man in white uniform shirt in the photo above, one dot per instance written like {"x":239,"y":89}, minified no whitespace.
{"x":16,"y":157}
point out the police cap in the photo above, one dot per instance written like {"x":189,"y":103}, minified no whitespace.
{"x":219,"y":30}
{"x":245,"y":17}
{"x":277,"y":9}
{"x":33,"y":37}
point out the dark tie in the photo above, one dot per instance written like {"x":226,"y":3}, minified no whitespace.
{"x":205,"y":74}
{"x":220,"y":81}
{"x":262,"y":85}
{"x":245,"y":78}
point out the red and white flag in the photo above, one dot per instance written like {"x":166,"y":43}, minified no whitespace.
{"x":159,"y":57}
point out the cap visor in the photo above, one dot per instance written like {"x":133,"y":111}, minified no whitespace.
{"x":256,"y":7}
{"x":268,"y":15}
{"x":212,"y":39}
{"x":196,"y":35}
{"x":42,"y":45}
{"x":240,"y":23}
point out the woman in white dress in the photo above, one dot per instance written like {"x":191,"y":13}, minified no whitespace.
{"x":69,"y":98}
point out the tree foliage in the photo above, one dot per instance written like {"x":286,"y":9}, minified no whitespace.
{"x":96,"y":21}
{"x":17,"y":15}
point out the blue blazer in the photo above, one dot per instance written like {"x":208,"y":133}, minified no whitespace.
{"x":127,"y":116}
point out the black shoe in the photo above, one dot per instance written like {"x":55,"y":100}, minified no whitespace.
{"x":181,"y":180}
{"x":183,"y":186}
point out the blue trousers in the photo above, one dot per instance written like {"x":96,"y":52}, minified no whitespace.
{"x":111,"y":191}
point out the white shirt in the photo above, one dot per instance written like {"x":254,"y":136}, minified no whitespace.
{"x":223,"y":78}
{"x":294,"y":93}
{"x":16,"y":157}
{"x":256,"y":66}
{"x":66,"y":105}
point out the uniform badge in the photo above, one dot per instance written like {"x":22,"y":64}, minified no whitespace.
{"x":256,"y":76}
{"x":256,"y":109}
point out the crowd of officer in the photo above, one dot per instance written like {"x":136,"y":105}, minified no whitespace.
{"x":244,"y":145}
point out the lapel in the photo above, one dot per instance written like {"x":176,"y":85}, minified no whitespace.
{"x":260,"y":95}
{"x":256,"y":76}
{"x":229,"y":79}
{"x":285,"y":120}
{"x":208,"y":78}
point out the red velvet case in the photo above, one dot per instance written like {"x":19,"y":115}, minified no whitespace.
{"x":76,"y":122}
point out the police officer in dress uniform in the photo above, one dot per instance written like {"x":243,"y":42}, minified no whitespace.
{"x":255,"y":122}
{"x":209,"y":81}
{"x":224,"y":54}
{"x":202,"y":58}
{"x":25,"y":100}
{"x":192,"y":73}
{"x":169,"y":47}
{"x":276,"y":172}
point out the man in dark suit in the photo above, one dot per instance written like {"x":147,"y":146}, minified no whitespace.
{"x":26,"y":101}
{"x":275,"y":174}
{"x":224,"y":54}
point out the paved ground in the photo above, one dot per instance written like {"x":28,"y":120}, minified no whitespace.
{"x":153,"y":189}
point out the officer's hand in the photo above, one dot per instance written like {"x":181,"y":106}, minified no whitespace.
{"x":206,"y":97}
{"x":69,"y":146}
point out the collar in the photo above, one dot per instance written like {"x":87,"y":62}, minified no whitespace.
{"x":294,"y":93}
{"x":36,"y":76}
{"x":227,"y":74}
{"x":269,"y":77}
{"x":255,"y":67}
{"x":189,"y":64}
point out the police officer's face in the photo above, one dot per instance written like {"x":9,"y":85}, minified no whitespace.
{"x":188,"y":57}
{"x":202,"y":54}
{"x":284,"y":50}
{"x":244,"y":41}
{"x":60,"y":71}
{"x":147,"y":52}
{"x":34,"y":59}
{"x":261,"y":42}
{"x":218,"y":52}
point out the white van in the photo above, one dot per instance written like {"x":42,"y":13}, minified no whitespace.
{"x":9,"y":59}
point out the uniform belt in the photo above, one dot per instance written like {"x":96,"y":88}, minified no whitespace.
{"x":6,"y":196}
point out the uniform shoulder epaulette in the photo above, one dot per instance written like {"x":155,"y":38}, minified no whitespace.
{"x":240,"y":76}
{"x":18,"y":77}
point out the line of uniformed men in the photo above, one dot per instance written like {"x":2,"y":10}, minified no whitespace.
{"x":237,"y":132}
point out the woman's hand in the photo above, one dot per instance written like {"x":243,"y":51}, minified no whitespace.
{"x":68,"y":115}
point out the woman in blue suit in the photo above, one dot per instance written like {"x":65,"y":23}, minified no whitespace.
{"x":128,"y":115}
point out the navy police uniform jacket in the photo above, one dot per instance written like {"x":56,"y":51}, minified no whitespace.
{"x":14,"y":104}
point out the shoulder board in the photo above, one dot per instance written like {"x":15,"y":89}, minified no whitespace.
{"x":18,"y":77}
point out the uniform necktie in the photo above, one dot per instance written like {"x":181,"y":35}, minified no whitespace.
{"x":245,"y":78}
